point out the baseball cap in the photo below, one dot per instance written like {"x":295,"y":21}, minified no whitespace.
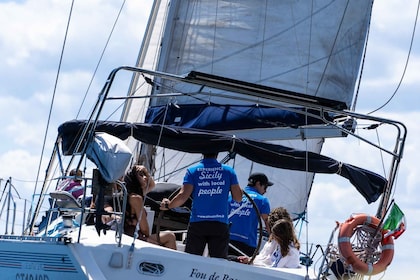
{"x":261,"y":177}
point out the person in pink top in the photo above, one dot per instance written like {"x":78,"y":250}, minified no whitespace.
{"x":73,"y":184}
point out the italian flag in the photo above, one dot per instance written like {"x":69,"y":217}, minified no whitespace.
{"x":395,"y":222}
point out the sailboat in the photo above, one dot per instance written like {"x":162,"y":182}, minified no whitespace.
{"x":264,"y":84}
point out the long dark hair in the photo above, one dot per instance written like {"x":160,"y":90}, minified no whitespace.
{"x":277,"y":214}
{"x":283,"y":232}
{"x":132,"y":182}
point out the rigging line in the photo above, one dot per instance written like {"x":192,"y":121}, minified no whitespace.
{"x":306,"y":88}
{"x":100,"y":58}
{"x":263,"y":41}
{"x":167,"y":175}
{"x":184,"y":32}
{"x":406,"y":63}
{"x":214,"y":37}
{"x":53,"y":96}
{"x":332,"y":50}
{"x":161,"y":33}
{"x":362,"y":67}
{"x":306,"y":142}
{"x":380,"y":152}
{"x":163,"y":124}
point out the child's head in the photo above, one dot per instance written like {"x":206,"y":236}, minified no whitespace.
{"x":277,"y":214}
{"x":283,"y":232}
{"x":77,"y":173}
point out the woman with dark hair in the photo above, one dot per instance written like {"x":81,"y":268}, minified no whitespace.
{"x":138,"y":180}
{"x":282,"y":248}
{"x":138,"y":183}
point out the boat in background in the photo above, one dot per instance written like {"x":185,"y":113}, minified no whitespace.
{"x":263,"y":84}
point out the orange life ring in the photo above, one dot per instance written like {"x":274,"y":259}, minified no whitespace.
{"x":346,"y":231}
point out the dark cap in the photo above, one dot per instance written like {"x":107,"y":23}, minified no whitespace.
{"x":261,"y":177}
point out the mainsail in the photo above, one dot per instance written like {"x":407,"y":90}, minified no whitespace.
{"x":312,"y":48}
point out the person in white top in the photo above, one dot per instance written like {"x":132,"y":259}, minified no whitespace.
{"x":281,"y":250}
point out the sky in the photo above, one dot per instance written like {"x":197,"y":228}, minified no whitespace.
{"x":31,"y":39}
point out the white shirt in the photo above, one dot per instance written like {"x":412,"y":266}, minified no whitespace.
{"x":270,"y":256}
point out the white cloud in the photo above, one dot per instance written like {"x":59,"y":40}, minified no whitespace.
{"x":27,"y":28}
{"x":31,"y":38}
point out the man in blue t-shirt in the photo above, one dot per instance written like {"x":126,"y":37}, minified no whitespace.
{"x":243,"y":217}
{"x":209,"y":183}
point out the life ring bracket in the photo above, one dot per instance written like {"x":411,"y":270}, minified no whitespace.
{"x":371,"y":254}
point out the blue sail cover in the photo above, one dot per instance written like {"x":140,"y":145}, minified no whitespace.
{"x":219,"y":117}
{"x":369,"y":184}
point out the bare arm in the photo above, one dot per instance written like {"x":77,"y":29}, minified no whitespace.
{"x":136,"y":203}
{"x":265,"y":219}
{"x":179,"y":199}
{"x":150,"y":179}
{"x":236,"y":192}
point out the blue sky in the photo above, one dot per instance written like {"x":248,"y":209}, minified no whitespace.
{"x":31,"y":37}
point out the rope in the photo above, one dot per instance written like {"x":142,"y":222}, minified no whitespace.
{"x":51,"y":106}
{"x":406,"y":63}
{"x":100,"y":58}
{"x":233,"y":143}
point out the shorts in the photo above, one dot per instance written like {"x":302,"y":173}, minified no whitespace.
{"x":214,"y":234}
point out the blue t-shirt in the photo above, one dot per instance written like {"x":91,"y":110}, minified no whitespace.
{"x":244,"y":223}
{"x":211,"y":181}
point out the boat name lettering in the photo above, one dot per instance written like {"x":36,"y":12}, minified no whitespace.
{"x":198,"y":275}
{"x":210,"y":192}
{"x":202,"y":275}
{"x":32,"y":266}
{"x":210,"y":175}
{"x":30,"y":276}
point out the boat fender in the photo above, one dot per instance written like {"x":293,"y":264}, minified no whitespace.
{"x":346,"y":231}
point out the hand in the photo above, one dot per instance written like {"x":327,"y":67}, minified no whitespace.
{"x":243,"y":259}
{"x":164,"y":204}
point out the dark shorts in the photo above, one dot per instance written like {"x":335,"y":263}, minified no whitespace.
{"x":215,"y":234}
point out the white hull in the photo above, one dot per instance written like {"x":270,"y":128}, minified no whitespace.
{"x":100,"y":258}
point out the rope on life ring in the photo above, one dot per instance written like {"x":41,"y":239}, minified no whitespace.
{"x":347,"y":229}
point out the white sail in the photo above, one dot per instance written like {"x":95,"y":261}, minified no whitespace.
{"x":312,"y":47}
{"x":305,"y":47}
